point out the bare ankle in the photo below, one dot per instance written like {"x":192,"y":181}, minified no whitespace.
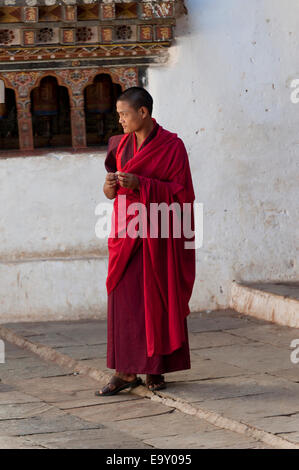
{"x":126,"y":376}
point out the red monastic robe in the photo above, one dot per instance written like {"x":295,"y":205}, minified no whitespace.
{"x":162,"y":167}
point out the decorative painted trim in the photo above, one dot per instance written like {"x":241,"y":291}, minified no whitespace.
{"x":75,"y":80}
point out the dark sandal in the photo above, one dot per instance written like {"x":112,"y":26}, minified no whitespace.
{"x":155,"y":382}
{"x":119,"y":383}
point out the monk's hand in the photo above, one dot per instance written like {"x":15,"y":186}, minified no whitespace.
{"x":111,"y":180}
{"x":128,"y":180}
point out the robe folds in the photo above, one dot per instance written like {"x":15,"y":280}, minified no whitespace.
{"x":168,"y":267}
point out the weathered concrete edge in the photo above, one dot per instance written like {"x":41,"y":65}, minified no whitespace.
{"x":264,"y":305}
{"x":49,"y":354}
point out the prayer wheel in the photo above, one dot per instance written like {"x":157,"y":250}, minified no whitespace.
{"x":45,"y":98}
{"x":99,"y":97}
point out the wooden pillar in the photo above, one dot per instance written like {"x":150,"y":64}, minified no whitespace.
{"x":25,"y":125}
{"x":22,"y":83}
{"x":78,"y":127}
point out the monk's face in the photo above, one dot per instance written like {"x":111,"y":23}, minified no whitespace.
{"x":130,"y":119}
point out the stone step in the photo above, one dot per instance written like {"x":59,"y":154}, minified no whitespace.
{"x":277,"y":302}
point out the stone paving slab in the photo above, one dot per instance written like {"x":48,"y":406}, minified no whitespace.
{"x":63,"y":399}
{"x":29,"y":368}
{"x":253,"y":357}
{"x":211,"y":440}
{"x":23,"y":410}
{"x":6,"y":388}
{"x":287,"y":423}
{"x":249,"y":408}
{"x":54,"y":339}
{"x":291,"y":374}
{"x":228,"y":387}
{"x":62,"y":384}
{"x":163,"y":425}
{"x":83,"y":352}
{"x":293,"y":436}
{"x":16,"y":396}
{"x":109,"y":412}
{"x":41,"y":327}
{"x":212,"y":339}
{"x":203,"y":368}
{"x":78,"y":332}
{"x":101,"y":438}
{"x":270,"y":333}
{"x":50,"y":421}
{"x":220,"y":320}
{"x":12,"y":352}
{"x":15,"y":442}
{"x":175,"y":431}
{"x":99,"y":362}
{"x":83,"y":398}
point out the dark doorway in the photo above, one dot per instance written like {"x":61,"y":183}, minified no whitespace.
{"x":100,"y":110}
{"x":50,"y":108}
{"x":9,"y":134}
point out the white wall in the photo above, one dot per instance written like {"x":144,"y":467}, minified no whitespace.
{"x":226,"y":92}
{"x":52,"y":264}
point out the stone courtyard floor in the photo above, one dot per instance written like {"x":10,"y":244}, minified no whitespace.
{"x":242,"y":390}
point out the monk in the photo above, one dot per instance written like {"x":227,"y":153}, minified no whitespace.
{"x":150,"y":278}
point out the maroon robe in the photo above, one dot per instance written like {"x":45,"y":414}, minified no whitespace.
{"x":126,"y":335}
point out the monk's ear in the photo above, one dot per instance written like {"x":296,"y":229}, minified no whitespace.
{"x":144,"y":111}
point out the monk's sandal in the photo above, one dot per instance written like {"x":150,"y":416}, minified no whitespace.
{"x":120,"y":384}
{"x":155,"y":382}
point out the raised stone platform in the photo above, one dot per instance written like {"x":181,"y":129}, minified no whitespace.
{"x":277,"y":302}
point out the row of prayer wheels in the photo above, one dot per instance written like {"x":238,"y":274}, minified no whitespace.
{"x":99,"y":97}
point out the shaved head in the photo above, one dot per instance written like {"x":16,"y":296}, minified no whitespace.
{"x":136,"y":97}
